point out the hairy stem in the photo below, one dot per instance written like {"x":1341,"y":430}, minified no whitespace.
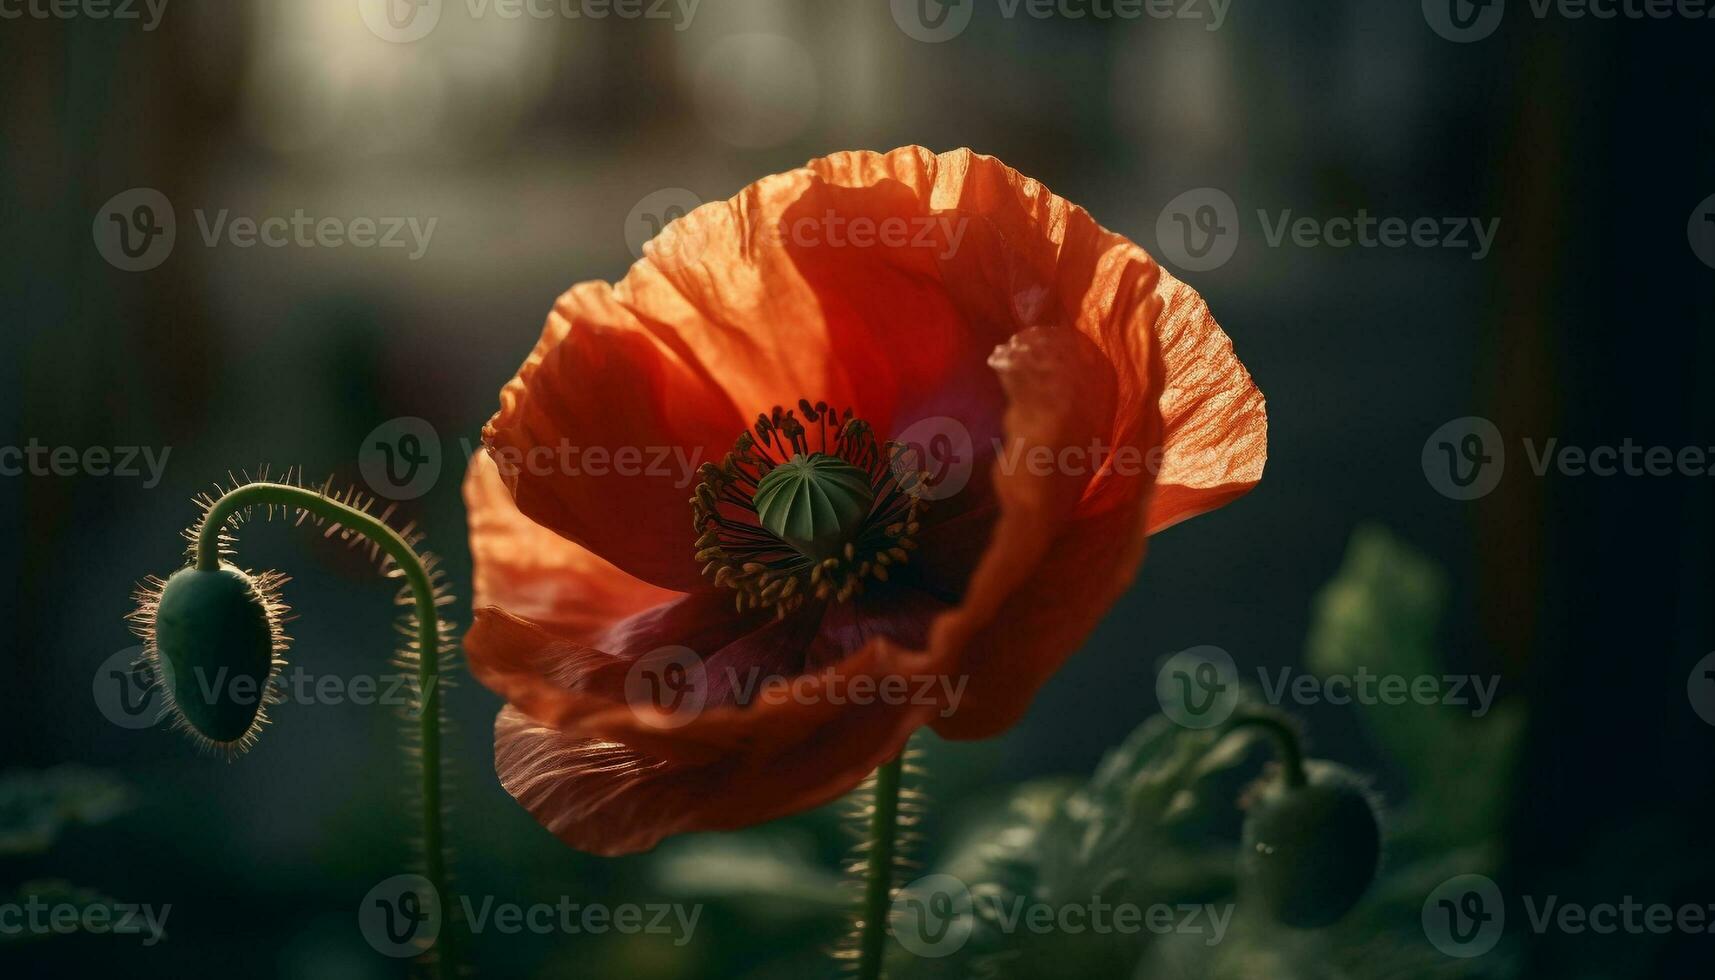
{"x":1285,"y":736}
{"x":394,"y":545}
{"x":878,"y":879}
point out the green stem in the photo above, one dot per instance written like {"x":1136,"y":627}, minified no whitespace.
{"x":878,"y":879}
{"x":1285,"y":737}
{"x":428,"y":639}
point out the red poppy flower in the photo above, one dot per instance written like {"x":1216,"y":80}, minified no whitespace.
{"x":698,"y":460}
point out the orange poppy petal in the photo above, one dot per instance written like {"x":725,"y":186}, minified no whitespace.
{"x":806,"y":286}
{"x":1214,"y":424}
{"x":1046,"y":619}
{"x":610,"y":797}
{"x":591,"y":689}
{"x":536,"y":574}
{"x":599,"y":435}
{"x":1030,"y":249}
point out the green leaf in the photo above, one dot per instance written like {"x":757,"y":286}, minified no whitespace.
{"x":35,"y":806}
{"x":1380,"y":614}
{"x":772,"y":873}
{"x":1126,"y":836}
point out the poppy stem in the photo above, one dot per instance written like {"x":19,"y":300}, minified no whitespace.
{"x":376,"y":530}
{"x":878,"y":882}
{"x":1285,"y":735}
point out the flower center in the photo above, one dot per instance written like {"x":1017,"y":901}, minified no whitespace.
{"x":805,"y":508}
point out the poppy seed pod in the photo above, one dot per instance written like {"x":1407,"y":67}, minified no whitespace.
{"x":213,"y":638}
{"x":1311,"y":850}
{"x":814,"y":503}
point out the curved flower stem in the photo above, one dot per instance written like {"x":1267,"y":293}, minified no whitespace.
{"x":878,"y":879}
{"x":1285,"y":737}
{"x":394,"y":545}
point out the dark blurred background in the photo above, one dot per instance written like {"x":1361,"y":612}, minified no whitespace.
{"x":531,"y":142}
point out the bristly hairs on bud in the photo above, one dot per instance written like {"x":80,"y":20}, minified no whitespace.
{"x":882,"y":815}
{"x":267,"y":595}
{"x":429,"y":649}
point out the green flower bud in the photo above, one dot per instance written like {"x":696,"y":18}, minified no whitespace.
{"x":814,"y":503}
{"x":1311,"y":850}
{"x":213,"y":638}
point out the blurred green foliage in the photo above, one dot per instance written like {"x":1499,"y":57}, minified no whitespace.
{"x":35,"y":808}
{"x":1157,"y":825}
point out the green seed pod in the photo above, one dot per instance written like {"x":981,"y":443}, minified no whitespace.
{"x":1310,"y":851}
{"x":214,"y":639}
{"x":814,"y":503}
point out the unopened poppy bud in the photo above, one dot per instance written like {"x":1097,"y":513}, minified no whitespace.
{"x":1311,"y":849}
{"x":214,"y":636}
